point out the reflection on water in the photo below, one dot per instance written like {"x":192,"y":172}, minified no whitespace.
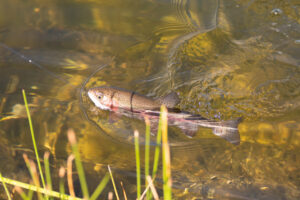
{"x":226,"y":59}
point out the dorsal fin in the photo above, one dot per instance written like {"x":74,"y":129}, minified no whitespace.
{"x":170,"y":100}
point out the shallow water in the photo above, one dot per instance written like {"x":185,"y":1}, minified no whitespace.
{"x":225,"y":59}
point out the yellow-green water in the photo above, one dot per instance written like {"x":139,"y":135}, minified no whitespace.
{"x":225,"y":59}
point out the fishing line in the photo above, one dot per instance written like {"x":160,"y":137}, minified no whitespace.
{"x":81,"y":104}
{"x":29,"y":60}
{"x":82,"y":89}
{"x":87,"y":80}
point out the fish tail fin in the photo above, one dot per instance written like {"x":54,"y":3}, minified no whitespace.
{"x":228,"y":130}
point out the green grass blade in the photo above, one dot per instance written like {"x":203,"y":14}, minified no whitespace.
{"x":61,"y":188}
{"x":113,"y":182}
{"x":33,"y":138}
{"x":34,"y":188}
{"x":138,"y":167}
{"x":33,"y":173}
{"x":157,"y":148}
{"x":30,"y":194}
{"x":147,"y":155}
{"x":61,"y":175}
{"x":100,"y":187}
{"x":47,"y":170}
{"x":79,"y":167}
{"x":5,"y":188}
{"x":22,"y":193}
{"x":166,"y":156}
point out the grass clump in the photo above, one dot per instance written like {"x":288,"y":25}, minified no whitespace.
{"x":162,"y":135}
{"x":5,"y":188}
{"x":46,"y":192}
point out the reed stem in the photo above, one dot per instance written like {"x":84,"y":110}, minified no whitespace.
{"x":33,"y":139}
{"x":138,"y":165}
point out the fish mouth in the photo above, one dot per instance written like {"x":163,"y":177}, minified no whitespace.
{"x":96,"y":101}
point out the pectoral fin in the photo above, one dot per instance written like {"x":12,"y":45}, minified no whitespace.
{"x":170,"y":100}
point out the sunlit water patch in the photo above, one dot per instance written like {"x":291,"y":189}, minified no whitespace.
{"x":225,"y":59}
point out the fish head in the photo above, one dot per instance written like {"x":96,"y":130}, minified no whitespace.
{"x":101,"y":97}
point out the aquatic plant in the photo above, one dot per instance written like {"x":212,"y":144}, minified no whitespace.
{"x":46,"y":192}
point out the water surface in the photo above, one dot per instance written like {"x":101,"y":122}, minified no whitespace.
{"x":225,"y":59}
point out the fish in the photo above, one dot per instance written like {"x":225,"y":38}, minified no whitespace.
{"x":132,"y":104}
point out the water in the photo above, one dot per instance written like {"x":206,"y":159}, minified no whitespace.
{"x":225,"y":59}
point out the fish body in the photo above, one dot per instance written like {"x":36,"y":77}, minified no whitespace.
{"x":132,"y":104}
{"x":110,"y":98}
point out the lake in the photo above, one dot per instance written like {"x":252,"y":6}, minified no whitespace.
{"x":225,"y":60}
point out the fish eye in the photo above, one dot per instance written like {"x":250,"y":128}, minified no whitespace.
{"x":99,"y":96}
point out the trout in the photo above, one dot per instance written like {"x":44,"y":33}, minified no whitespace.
{"x":132,"y":104}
